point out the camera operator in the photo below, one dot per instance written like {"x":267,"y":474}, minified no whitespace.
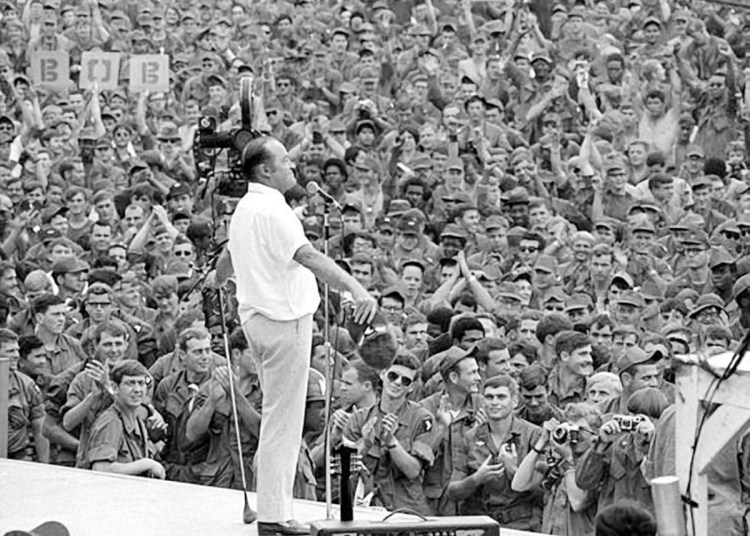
{"x":568,"y":510}
{"x":612,"y":465}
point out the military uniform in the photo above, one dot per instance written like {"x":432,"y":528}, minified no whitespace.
{"x":615,"y":473}
{"x":438,"y":476}
{"x":25,"y":405}
{"x":390,"y":487}
{"x":559,"y":399}
{"x":79,"y":389}
{"x":113,"y":439}
{"x":305,"y":482}
{"x":522,"y":511}
{"x":213,"y":464}
{"x":67,"y":353}
{"x":174,"y":399}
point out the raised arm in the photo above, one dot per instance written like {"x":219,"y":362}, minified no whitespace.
{"x":329,"y":272}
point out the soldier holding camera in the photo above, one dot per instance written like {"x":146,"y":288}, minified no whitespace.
{"x":568,"y":509}
{"x":612,"y":465}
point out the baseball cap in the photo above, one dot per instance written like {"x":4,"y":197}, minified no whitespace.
{"x":555,"y":294}
{"x":741,"y":286}
{"x":644,"y":225}
{"x":495,"y":222}
{"x":453,"y":356}
{"x":455,"y":231}
{"x":635,"y":356}
{"x":701,"y":182}
{"x":690,"y":221}
{"x":517,"y":196}
{"x":607,"y":223}
{"x":696,"y":237}
{"x":509,"y":290}
{"x":454,"y":163}
{"x":69,"y":264}
{"x":578,"y":301}
{"x":45,"y":235}
{"x":409,"y":226}
{"x":395,"y":290}
{"x":577,"y":11}
{"x":49,"y":213}
{"x":695,"y":150}
{"x":422,"y":162}
{"x":624,"y":277}
{"x":541,"y":55}
{"x":546,"y":263}
{"x":178,"y":189}
{"x":720,"y":256}
{"x":352,"y":205}
{"x":730,"y":225}
{"x":630,"y":297}
{"x":398,"y":206}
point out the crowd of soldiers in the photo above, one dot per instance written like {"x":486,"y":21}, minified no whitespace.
{"x":550,"y":201}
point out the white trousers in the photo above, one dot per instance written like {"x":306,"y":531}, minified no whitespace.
{"x":282,"y":355}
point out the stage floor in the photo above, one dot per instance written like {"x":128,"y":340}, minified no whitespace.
{"x":99,"y":504}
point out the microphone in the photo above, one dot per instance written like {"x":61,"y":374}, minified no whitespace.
{"x":314,"y":188}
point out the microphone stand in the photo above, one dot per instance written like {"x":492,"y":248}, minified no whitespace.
{"x":329,"y":369}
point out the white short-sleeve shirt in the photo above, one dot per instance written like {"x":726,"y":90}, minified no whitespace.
{"x":264,"y":235}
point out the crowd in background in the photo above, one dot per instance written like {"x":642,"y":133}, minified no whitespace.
{"x":549,"y":199}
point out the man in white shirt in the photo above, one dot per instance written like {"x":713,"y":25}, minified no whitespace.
{"x":276,"y":267}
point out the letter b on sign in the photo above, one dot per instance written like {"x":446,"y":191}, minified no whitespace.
{"x":149,"y":71}
{"x":50,"y":69}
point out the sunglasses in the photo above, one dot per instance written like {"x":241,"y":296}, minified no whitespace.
{"x":394,"y":377}
{"x":528,"y":249}
{"x":181,"y":253}
{"x":283,"y":84}
{"x":732,"y":236}
{"x":173,"y":141}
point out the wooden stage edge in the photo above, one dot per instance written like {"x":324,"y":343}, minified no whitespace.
{"x":99,"y":504}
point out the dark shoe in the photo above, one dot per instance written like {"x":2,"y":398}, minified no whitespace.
{"x":293,"y":528}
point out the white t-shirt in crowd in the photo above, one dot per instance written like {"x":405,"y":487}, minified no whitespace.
{"x":264,"y":235}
